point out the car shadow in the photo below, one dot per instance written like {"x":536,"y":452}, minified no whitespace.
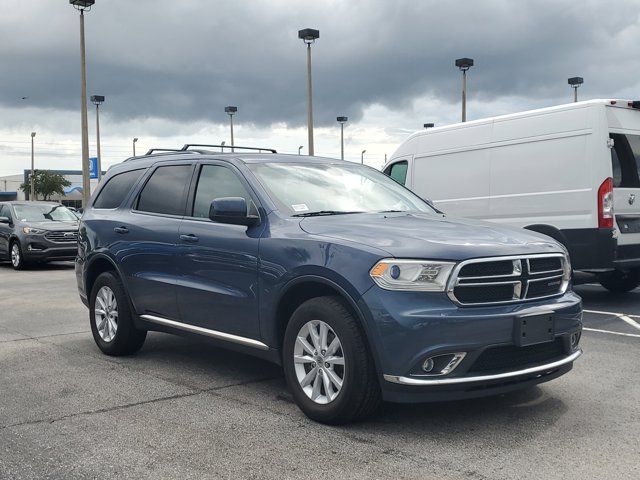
{"x":5,"y":264}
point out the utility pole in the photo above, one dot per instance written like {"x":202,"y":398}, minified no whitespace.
{"x":32,"y":178}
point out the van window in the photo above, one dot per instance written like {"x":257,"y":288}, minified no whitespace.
{"x":216,"y":182}
{"x":116,"y":189}
{"x":165,"y":190}
{"x":625,"y":160}
{"x":398,"y":171}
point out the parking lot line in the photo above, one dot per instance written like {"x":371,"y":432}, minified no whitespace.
{"x":587,"y":329}
{"x":621,"y":316}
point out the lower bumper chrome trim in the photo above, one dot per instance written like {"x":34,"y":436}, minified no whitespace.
{"x":483,"y":378}
{"x":249,"y":342}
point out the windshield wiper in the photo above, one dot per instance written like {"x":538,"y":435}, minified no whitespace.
{"x":321,"y":213}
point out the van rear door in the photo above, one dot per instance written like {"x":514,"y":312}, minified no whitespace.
{"x":625,"y":163}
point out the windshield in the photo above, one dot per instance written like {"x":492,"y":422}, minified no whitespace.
{"x":44,"y":213}
{"x":307,"y":189}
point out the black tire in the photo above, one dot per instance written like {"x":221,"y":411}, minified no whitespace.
{"x":619,"y":281}
{"x":360,"y":394}
{"x":128,"y":339}
{"x":21,"y":263}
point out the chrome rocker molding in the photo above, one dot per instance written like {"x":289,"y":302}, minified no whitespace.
{"x":483,"y":378}
{"x":248,"y":342}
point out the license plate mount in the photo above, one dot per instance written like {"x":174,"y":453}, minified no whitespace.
{"x":534,"y":329}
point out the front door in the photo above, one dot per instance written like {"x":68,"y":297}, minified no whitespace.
{"x":5,"y":230}
{"x":218,"y":284}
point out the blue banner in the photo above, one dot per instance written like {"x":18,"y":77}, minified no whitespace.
{"x":93,"y":167}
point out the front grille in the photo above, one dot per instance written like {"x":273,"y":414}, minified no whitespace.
{"x":486,"y":281}
{"x":62,"y":237}
{"x":510,"y":357}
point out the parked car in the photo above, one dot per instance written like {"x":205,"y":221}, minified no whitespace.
{"x":37,"y":232}
{"x":570,"y":172}
{"x":354,"y":284}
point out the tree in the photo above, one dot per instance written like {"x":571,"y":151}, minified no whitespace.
{"x":46,"y":183}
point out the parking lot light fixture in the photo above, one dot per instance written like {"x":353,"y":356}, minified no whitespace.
{"x":575,"y":83}
{"x":32,"y":185}
{"x":464,"y":64}
{"x":98,"y":100}
{"x":342,"y":121}
{"x":429,"y":125}
{"x":300,"y":149}
{"x":134,"y":146}
{"x":362,"y":156}
{"x":81,"y":6}
{"x":309,"y":36}
{"x":222,"y":144}
{"x":231,"y":111}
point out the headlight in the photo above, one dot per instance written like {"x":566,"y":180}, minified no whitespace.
{"x":32,"y":231}
{"x":412,"y":275}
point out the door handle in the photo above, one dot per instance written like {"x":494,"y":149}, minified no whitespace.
{"x":121,"y":230}
{"x":191,"y":238}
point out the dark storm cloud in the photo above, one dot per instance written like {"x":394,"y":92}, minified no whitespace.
{"x":186,"y":60}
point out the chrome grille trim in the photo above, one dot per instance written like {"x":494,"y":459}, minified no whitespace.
{"x":520,"y":286}
{"x":67,"y":236}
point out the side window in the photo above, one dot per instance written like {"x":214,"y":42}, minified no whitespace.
{"x":5,"y":212}
{"x":217,"y":182}
{"x":398,"y":171}
{"x":116,"y":189}
{"x":164,"y":191}
{"x":625,"y":160}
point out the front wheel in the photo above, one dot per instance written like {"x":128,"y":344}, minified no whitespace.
{"x":327,"y":363}
{"x":619,"y":281}
{"x":17,"y":259}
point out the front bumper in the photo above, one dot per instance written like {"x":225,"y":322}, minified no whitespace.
{"x":405,"y":328}
{"x":42,"y":250}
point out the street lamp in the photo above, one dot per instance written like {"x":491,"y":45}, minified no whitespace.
{"x":98,"y":100}
{"x":429,"y":125}
{"x":231,"y":111}
{"x":222,"y":144}
{"x":309,"y":36}
{"x":464,"y":64}
{"x":362,"y":156}
{"x":575,"y":82}
{"x":134,"y":146}
{"x":81,"y":6}
{"x":32,"y":192}
{"x":300,"y":148}
{"x":342,"y":121}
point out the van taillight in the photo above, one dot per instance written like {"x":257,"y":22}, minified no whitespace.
{"x":605,"y":204}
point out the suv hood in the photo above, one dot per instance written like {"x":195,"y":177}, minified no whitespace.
{"x":52,"y":226}
{"x":415,"y":235}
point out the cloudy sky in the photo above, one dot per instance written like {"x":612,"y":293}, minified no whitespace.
{"x":168,"y":68}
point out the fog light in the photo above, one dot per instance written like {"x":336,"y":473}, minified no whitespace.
{"x":427,"y":366}
{"x":575,"y":340}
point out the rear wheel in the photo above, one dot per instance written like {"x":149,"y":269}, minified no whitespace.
{"x":327,"y":363}
{"x":17,"y":260}
{"x":111,"y":317}
{"x":619,"y":281}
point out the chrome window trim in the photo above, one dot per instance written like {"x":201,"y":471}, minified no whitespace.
{"x":483,"y":378}
{"x":249,"y":342}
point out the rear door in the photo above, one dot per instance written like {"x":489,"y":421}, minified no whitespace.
{"x":625,"y":165}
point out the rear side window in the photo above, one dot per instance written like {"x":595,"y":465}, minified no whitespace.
{"x":116,"y":189}
{"x":165,"y":190}
{"x":216,"y":182}
{"x":625,"y":160}
{"x":398,"y":171}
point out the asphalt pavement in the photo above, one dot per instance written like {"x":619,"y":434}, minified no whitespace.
{"x":183,"y":409}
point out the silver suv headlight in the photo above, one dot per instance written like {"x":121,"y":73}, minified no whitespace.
{"x":412,"y":275}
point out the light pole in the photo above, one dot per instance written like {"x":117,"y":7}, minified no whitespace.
{"x":342,"y":121}
{"x":222,"y":144}
{"x":97,"y":100}
{"x":575,"y":82}
{"x":464,"y":64}
{"x":309,"y":36}
{"x":362,"y":156}
{"x":32,"y":190}
{"x":429,"y":125}
{"x":231,"y":111}
{"x":134,"y":146}
{"x":300,"y":148}
{"x":81,"y":6}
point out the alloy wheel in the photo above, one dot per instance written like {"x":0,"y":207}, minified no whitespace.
{"x":319,"y":362}
{"x":15,"y":255}
{"x":106,"y":314}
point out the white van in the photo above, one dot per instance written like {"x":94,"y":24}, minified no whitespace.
{"x":570,"y":172}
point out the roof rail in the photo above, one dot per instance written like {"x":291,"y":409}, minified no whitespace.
{"x":151,"y":150}
{"x":228,"y":147}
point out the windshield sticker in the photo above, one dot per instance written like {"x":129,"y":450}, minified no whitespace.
{"x":301,"y":207}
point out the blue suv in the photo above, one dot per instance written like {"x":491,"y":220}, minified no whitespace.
{"x":361,"y":290}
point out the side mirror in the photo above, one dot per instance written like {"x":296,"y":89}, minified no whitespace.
{"x":6,"y":220}
{"x":232,"y":210}
{"x":429,"y":202}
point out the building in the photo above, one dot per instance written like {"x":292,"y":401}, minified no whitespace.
{"x":10,"y":187}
